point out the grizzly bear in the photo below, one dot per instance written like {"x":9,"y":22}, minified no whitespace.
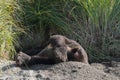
{"x":60,"y":49}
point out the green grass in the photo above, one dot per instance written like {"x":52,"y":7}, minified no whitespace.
{"x":8,"y":28}
{"x":43,"y":17}
{"x":37,"y":15}
{"x":100,"y":27}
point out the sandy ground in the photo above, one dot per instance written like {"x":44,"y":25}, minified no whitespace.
{"x":61,"y":71}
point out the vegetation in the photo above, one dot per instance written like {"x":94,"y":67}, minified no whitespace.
{"x":8,"y":28}
{"x":43,"y":18}
{"x":101,"y":27}
{"x":95,"y":24}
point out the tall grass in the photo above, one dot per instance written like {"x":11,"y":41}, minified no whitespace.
{"x":40,"y":14}
{"x":43,"y":18}
{"x":100,"y":28}
{"x":8,"y":28}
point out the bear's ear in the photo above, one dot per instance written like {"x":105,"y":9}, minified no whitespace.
{"x":74,"y":50}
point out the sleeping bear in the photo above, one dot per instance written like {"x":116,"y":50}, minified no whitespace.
{"x":59,"y":49}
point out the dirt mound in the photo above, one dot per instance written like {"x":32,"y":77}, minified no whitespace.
{"x":61,"y":71}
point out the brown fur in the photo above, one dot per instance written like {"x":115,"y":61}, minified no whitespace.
{"x":22,"y":59}
{"x":79,"y":54}
{"x":60,"y":49}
